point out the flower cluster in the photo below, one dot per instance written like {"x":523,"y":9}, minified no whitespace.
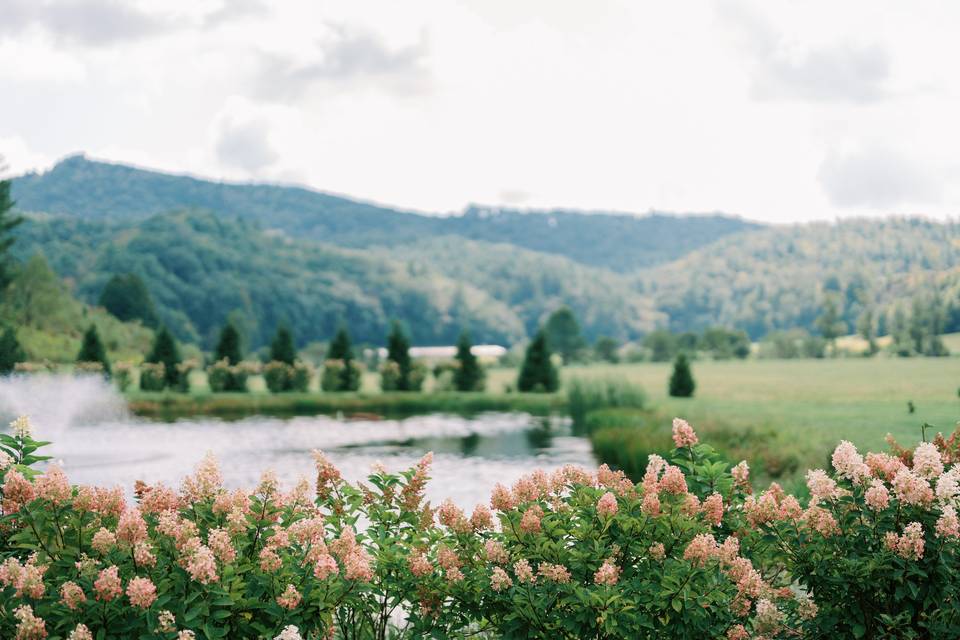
{"x":689,"y":551}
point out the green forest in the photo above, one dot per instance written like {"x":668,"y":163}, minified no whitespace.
{"x":205,"y":252}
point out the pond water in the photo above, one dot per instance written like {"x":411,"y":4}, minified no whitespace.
{"x":99,"y":443}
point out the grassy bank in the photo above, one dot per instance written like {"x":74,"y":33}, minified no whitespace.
{"x":235,"y":405}
{"x":782,"y":416}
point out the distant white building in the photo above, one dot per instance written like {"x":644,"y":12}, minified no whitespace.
{"x":485,"y":352}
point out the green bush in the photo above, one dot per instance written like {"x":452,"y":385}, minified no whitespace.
{"x":301,"y":376}
{"x":153,"y":376}
{"x":335,"y":378}
{"x":221,"y":376}
{"x":278,"y":376}
{"x":391,"y":377}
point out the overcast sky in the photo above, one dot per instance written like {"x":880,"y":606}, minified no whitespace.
{"x":775,"y":109}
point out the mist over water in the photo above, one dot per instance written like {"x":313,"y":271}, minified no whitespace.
{"x":56,"y":402}
{"x":99,"y":442}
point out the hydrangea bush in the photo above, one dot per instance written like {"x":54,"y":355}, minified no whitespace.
{"x":689,"y":552}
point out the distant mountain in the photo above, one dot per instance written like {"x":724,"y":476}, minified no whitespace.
{"x":95,"y":190}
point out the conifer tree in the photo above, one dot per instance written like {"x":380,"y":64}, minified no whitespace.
{"x":341,"y":348}
{"x":126,"y":297}
{"x":8,"y":222}
{"x":228,"y":347}
{"x":682,"y":384}
{"x":92,"y":349}
{"x":537,"y":372}
{"x":469,"y":376}
{"x":10,"y":351}
{"x":282,"y":348}
{"x":166,"y":351}
{"x":398,"y":351}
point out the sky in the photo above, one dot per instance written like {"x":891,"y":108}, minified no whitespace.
{"x":775,"y":110}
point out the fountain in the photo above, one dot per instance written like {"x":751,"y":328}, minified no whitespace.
{"x":55,"y":402}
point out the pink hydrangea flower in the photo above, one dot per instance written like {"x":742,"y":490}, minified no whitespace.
{"x":103,"y":541}
{"x":657,"y":551}
{"x":131,"y":528}
{"x":884,"y":466}
{"x":607,"y":505}
{"x":524,"y":572}
{"x":80,"y":632}
{"x":877,"y":497}
{"x":71,"y":595}
{"x":495,"y":552}
{"x":821,"y":521}
{"x":701,"y":549}
{"x":222,"y":546}
{"x":290,"y":598}
{"x":673,"y":481}
{"x":499,"y":580}
{"x":849,"y":463}
{"x":926,"y":461}
{"x":419,"y":565}
{"x":502,"y":498}
{"x":741,"y":473}
{"x":912,"y":488}
{"x":822,"y":486}
{"x":481,"y":519}
{"x":948,"y":526}
{"x":29,"y":626}
{"x":530,"y":522}
{"x":554,"y":572}
{"x":713,"y":509}
{"x":108,"y":585}
{"x":141,"y":592}
{"x":206,"y":481}
{"x":54,"y":486}
{"x":325,"y":566}
{"x":607,"y":574}
{"x":683,"y":434}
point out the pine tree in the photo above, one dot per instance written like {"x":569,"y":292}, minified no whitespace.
{"x":228,"y":347}
{"x":166,"y":351}
{"x":681,"y":381}
{"x":126,"y":298}
{"x":10,"y":351}
{"x":537,"y":372}
{"x":469,"y":375}
{"x":92,"y":349}
{"x":8,"y":222}
{"x":341,"y":348}
{"x":282,"y":348}
{"x":398,"y":350}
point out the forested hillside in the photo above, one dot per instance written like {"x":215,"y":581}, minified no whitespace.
{"x":200,"y":268}
{"x":778,"y":278}
{"x":266,"y":254}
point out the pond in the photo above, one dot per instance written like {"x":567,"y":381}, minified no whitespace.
{"x":98,"y":442}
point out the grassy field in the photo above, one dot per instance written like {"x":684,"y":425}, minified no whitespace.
{"x":777,"y":413}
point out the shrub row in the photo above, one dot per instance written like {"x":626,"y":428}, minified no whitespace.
{"x":691,"y":551}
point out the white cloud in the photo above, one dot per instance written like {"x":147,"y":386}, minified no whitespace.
{"x":758,"y":108}
{"x":878,"y":177}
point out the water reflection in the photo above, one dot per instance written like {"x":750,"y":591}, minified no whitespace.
{"x":470,"y":454}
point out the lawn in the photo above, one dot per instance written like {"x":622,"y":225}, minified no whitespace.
{"x":812,"y":404}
